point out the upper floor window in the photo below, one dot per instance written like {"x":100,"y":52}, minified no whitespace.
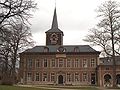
{"x":76,"y":62}
{"x":45,"y":63}
{"x":68,"y":62}
{"x":37,"y":63}
{"x":84,"y":63}
{"x":29,"y":63}
{"x":61,"y":63}
{"x":53,"y":63}
{"x":107,"y":68}
{"x":92,"y":62}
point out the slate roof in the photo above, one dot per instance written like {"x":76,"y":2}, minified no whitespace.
{"x":67,"y":49}
{"x":54,"y":30}
{"x":54,"y":27}
{"x":109,"y":61}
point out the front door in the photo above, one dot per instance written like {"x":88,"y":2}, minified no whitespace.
{"x":92,"y":78}
{"x":60,"y":79}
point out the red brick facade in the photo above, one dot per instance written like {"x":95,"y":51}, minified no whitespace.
{"x":68,"y":69}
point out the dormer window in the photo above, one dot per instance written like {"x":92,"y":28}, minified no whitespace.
{"x":61,"y":49}
{"x":76,"y":49}
{"x":46,"y":49}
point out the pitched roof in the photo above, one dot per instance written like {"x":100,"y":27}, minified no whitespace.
{"x":109,"y":61}
{"x":66,"y":49}
{"x":54,"y":27}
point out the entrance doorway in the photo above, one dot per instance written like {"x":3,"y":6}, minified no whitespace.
{"x":93,"y":79}
{"x":60,"y":79}
{"x":107,"y":80}
{"x":118,"y":79}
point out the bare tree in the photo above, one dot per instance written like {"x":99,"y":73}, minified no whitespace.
{"x":21,"y":38}
{"x":14,"y":32}
{"x":107,"y":32}
{"x":13,"y":10}
{"x":14,"y":42}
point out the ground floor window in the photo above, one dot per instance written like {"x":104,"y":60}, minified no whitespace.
{"x":37,"y":77}
{"x":44,"y":76}
{"x":52,"y":77}
{"x":68,"y":77}
{"x":76,"y":77}
{"x":84,"y":77}
{"x":29,"y":76}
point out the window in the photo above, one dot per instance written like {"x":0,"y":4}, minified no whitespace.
{"x":92,"y":62}
{"x":54,"y":38}
{"x":29,"y":76}
{"x":37,"y":77}
{"x":68,"y":63}
{"x":44,"y":76}
{"x":84,"y":63}
{"x":76,"y":49}
{"x":76,"y":62}
{"x":45,"y":62}
{"x":61,"y":49}
{"x":107,"y":68}
{"x":37,"y":63}
{"x":76,"y":77}
{"x":60,"y":63}
{"x":46,"y":49}
{"x":53,"y":63}
{"x":52,"y":77}
{"x":84,"y":77}
{"x":29,"y":63}
{"x":68,"y":77}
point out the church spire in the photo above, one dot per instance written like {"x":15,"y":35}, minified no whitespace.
{"x":54,"y":22}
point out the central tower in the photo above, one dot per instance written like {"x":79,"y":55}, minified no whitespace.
{"x":54,"y":36}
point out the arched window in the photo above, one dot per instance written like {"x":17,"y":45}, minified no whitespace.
{"x":118,"y":79}
{"x":107,"y":80}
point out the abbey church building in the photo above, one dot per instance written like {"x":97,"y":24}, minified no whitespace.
{"x":56,"y":63}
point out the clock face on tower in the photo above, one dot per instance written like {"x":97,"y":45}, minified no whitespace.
{"x":54,"y":38}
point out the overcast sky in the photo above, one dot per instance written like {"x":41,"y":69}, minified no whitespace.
{"x":75,"y":18}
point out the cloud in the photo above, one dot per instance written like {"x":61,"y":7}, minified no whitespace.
{"x":75,"y":18}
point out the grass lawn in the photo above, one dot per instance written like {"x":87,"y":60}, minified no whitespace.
{"x":5,"y":87}
{"x":49,"y":87}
